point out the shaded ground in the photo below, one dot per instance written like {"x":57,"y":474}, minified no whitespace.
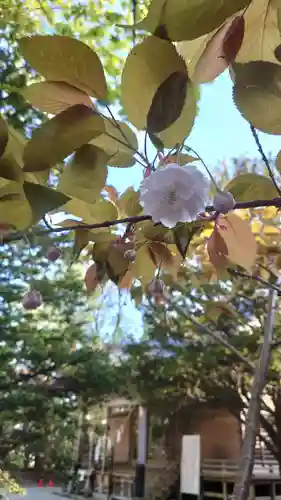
{"x":35,"y":493}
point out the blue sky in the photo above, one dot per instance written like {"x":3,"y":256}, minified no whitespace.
{"x":219,"y":133}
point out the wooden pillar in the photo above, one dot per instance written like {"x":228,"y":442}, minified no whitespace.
{"x":142,"y":446}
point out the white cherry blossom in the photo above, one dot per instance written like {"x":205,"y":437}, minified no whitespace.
{"x":174,"y":194}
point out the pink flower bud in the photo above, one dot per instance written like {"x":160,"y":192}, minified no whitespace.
{"x":223,"y":202}
{"x":130,"y":255}
{"x":53,"y":253}
{"x":32,"y":300}
{"x":147,"y":172}
{"x":156,"y":288}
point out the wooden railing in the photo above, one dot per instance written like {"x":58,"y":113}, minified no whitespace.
{"x":223,"y":468}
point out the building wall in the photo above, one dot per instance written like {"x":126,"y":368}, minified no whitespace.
{"x":219,"y":430}
{"x":120,"y":437}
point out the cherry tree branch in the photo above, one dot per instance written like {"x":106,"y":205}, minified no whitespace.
{"x":18,"y":235}
{"x":234,"y":272}
{"x":246,"y":464}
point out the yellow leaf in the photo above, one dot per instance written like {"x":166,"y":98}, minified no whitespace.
{"x":181,"y":159}
{"x":149,"y":65}
{"x":143,"y":268}
{"x":81,"y":240}
{"x":54,"y":97}
{"x":239,"y":239}
{"x":192,"y":50}
{"x":85,"y":176}
{"x":64,"y":59}
{"x":248,"y":187}
{"x":214,"y":309}
{"x":4,"y":136}
{"x":128,"y":203}
{"x":92,"y":213}
{"x":261,"y":32}
{"x":91,"y":279}
{"x":127,"y":280}
{"x":217,"y":251}
{"x":60,"y":136}
{"x":15,"y":211}
{"x":119,"y":142}
{"x":149,"y":231}
{"x":257,"y":94}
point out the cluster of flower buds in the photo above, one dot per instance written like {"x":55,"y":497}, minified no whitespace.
{"x":53,"y":253}
{"x":32,"y":300}
{"x":156,"y":289}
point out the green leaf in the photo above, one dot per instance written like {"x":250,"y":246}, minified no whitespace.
{"x":11,"y":162}
{"x":54,"y":97}
{"x":119,"y":142}
{"x":60,"y":136}
{"x":257,"y":94}
{"x":4,"y":136}
{"x":248,"y":187}
{"x":16,"y":213}
{"x":183,"y":20}
{"x":85,"y":176}
{"x":278,"y":162}
{"x":42,"y":199}
{"x":148,"y":65}
{"x":64,"y":59}
{"x":92,"y":213}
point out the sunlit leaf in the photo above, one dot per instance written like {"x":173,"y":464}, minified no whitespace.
{"x":92,"y":213}
{"x":261,"y":32}
{"x":247,"y":187}
{"x":54,"y":97}
{"x":148,"y":66}
{"x":257,"y":94}
{"x":238,"y":237}
{"x":119,"y":142}
{"x":64,"y":59}
{"x":183,"y":235}
{"x":85,"y":176}
{"x":143,"y":268}
{"x":60,"y":136}
{"x":182,"y":20}
{"x":128,"y":203}
{"x":181,"y":159}
{"x":217,"y":251}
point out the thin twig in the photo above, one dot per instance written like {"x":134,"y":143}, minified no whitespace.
{"x":264,"y":157}
{"x":245,"y":468}
{"x":234,"y":272}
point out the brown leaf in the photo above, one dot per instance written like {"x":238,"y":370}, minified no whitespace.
{"x":111,"y":192}
{"x":234,"y":38}
{"x":217,"y":251}
{"x":168,"y":102}
{"x":220,"y":51}
{"x":91,"y":280}
{"x":127,"y":280}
